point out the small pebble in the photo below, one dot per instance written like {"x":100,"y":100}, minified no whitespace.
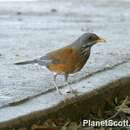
{"x":18,"y":13}
{"x":53,"y":10}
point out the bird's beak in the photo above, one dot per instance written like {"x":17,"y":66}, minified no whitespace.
{"x":100,"y":40}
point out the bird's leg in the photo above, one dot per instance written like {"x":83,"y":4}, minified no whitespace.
{"x":55,"y":75}
{"x":71,"y":89}
{"x":68,"y":83}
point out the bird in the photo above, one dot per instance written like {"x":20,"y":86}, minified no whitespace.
{"x":69,"y":59}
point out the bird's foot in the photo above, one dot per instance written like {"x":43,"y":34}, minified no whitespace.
{"x":57,"y":89}
{"x":59,"y":92}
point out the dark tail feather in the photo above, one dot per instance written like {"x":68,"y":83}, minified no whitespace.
{"x":26,"y":62}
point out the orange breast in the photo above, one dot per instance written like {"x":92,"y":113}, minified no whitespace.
{"x":68,"y":61}
{"x":60,"y":68}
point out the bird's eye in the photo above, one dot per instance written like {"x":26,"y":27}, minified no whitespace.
{"x":90,"y":38}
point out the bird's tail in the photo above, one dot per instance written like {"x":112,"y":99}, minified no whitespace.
{"x":26,"y":62}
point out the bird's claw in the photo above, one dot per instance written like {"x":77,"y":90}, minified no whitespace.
{"x":59,"y":92}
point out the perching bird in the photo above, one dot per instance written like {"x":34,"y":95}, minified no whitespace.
{"x":69,"y":59}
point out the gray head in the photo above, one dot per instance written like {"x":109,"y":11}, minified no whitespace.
{"x":88,"y":40}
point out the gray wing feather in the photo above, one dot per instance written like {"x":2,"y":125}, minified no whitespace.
{"x":44,"y":60}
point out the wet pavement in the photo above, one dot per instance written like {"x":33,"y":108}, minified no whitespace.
{"x":31,"y":29}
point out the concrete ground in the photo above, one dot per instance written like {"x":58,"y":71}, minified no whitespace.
{"x":31,"y":29}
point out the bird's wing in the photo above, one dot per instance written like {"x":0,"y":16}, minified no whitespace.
{"x":44,"y":60}
{"x":60,"y":56}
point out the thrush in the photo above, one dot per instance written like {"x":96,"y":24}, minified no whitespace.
{"x":69,"y":59}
